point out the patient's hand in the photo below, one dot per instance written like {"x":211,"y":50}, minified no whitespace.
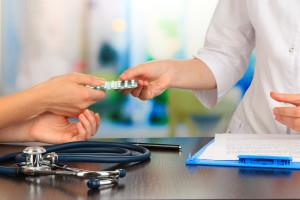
{"x":65,"y":94}
{"x":289,"y":116}
{"x":54,"y":129}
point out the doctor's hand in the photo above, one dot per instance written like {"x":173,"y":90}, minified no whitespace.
{"x":55,"y":129}
{"x":66,"y":94}
{"x":153,"y":79}
{"x":289,"y":116}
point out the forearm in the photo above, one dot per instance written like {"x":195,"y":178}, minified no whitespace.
{"x":19,"y":106}
{"x":18,"y":132}
{"x":191,"y":74}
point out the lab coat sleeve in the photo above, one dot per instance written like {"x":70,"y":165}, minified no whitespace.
{"x":227,"y":49}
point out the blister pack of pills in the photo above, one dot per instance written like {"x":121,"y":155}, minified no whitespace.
{"x":116,"y":85}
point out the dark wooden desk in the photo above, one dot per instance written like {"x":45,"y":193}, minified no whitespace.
{"x":165,"y":176}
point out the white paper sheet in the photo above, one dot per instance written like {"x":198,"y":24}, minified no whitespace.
{"x":229,"y":146}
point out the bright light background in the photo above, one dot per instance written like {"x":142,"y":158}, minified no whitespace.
{"x":42,"y":39}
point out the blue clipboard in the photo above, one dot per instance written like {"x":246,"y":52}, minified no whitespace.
{"x":278,"y":162}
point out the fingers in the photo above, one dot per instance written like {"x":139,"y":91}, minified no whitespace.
{"x":97,"y":94}
{"x":86,"y":79}
{"x":287,"y":111}
{"x":146,"y":93}
{"x":137,"y":91}
{"x":88,"y":121}
{"x":81,"y":132}
{"x":128,"y":91}
{"x":97,"y":117}
{"x":286,"y":98}
{"x":142,"y":92}
{"x":291,"y":122}
{"x":289,"y":116}
{"x":133,"y":72}
{"x":92,"y":120}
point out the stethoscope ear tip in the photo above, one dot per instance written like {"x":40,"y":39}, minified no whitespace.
{"x":122,"y":173}
{"x":93,"y":184}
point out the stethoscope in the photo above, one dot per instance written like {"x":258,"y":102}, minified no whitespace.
{"x":45,"y":161}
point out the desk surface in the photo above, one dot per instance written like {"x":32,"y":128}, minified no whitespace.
{"x":165,"y":176}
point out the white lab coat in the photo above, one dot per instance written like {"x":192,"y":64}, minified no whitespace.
{"x":273,"y":28}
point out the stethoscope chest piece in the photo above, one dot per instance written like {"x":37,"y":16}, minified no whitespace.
{"x":34,"y":158}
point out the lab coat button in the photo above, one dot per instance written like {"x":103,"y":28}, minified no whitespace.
{"x":291,"y":50}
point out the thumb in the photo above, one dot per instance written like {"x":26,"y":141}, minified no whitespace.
{"x":134,"y":72}
{"x":87,"y":79}
{"x":286,"y":98}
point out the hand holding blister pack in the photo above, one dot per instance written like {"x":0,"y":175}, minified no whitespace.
{"x":116,"y":85}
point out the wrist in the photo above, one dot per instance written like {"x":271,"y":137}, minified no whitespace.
{"x":18,"y":132}
{"x":28,"y":129}
{"x":190,"y":74}
{"x":171,"y":68}
{"x":39,"y":98}
{"x":165,"y":69}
